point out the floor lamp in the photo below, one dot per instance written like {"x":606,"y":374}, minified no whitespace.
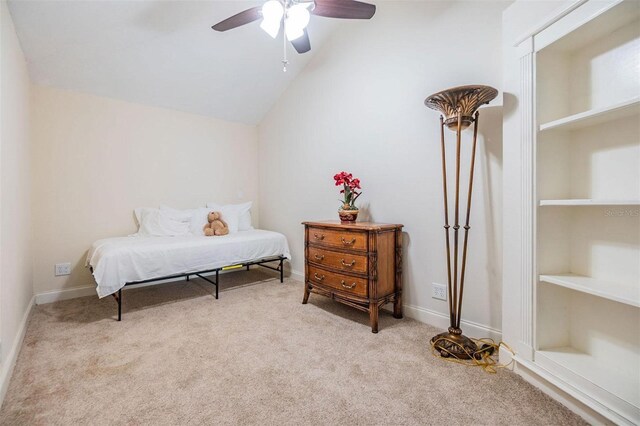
{"x":458,"y":106}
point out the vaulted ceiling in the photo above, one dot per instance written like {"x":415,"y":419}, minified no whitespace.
{"x":161,"y":53}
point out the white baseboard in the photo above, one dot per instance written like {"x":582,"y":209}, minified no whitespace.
{"x":570,"y":398}
{"x":440,"y":320}
{"x":83,"y":291}
{"x":9,"y":363}
{"x":65,"y":294}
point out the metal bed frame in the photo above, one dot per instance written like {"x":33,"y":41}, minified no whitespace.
{"x":260,"y":262}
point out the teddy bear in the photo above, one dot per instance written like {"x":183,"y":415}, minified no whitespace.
{"x":216,"y":225}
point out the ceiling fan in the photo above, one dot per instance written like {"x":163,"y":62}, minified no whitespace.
{"x":294,"y":16}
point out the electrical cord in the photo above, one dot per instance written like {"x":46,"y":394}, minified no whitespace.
{"x":485,"y":357}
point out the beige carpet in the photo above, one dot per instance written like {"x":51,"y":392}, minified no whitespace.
{"x":255,"y":356}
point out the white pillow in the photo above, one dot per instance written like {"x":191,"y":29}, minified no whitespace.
{"x":181,"y":215}
{"x":154,"y":222}
{"x":197,"y":218}
{"x":241,"y":211}
{"x":139,"y":212}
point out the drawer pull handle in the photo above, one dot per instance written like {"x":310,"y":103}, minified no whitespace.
{"x":319,"y":277}
{"x":344,"y":284}
{"x":318,"y":237}
{"x":347,"y":264}
{"x":348,"y":243}
{"x":319,"y":256}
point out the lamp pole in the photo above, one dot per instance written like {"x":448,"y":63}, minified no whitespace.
{"x":458,"y":107}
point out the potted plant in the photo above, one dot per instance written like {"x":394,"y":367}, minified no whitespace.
{"x":348,"y":212}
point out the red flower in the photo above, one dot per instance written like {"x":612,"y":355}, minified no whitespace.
{"x":350,"y":185}
{"x":342,"y":178}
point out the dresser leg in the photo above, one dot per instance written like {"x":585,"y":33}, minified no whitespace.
{"x":397,"y":307}
{"x":373,"y":317}
{"x":305,"y":299}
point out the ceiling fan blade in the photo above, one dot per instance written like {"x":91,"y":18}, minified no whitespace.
{"x":239,"y":19}
{"x":345,"y":9}
{"x":302,"y":44}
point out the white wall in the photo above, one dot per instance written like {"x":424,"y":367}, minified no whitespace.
{"x":15,"y":228}
{"x":96,"y":159}
{"x":358,"y":106}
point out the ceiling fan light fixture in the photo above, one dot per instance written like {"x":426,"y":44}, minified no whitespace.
{"x":296,"y":20}
{"x":293,"y":16}
{"x":270,"y":27}
{"x":298,"y":16}
{"x":292,"y":32}
{"x":272,"y":12}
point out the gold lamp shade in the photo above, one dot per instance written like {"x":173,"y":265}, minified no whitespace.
{"x":467,"y":98}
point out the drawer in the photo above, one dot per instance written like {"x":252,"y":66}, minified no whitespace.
{"x":345,"y":283}
{"x":352,"y":240}
{"x":342,"y":261}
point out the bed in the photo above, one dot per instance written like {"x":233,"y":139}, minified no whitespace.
{"x":118,"y":262}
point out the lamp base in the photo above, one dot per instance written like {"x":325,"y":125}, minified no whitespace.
{"x":453,"y":343}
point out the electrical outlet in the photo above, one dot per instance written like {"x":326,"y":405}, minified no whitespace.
{"x":62,"y":269}
{"x":439,"y":291}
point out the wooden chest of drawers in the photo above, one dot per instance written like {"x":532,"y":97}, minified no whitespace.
{"x":357,"y":264}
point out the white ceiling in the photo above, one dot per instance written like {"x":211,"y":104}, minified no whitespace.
{"x":161,"y":53}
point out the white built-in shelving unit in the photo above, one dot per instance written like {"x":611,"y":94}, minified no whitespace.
{"x":588,"y":167}
{"x":622,"y":109}
{"x":581,"y":77}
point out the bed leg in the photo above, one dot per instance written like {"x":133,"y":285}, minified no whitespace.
{"x":281,"y":270}
{"x":247,"y":267}
{"x":187,"y":277}
{"x":120,"y":305}
{"x":217,"y":283}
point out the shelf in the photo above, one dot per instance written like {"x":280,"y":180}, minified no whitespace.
{"x":588,"y":24}
{"x":589,"y":202}
{"x":627,"y":294}
{"x":605,"y":375}
{"x":594,"y":116}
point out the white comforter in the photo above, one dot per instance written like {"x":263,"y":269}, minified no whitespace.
{"x":117,"y":261}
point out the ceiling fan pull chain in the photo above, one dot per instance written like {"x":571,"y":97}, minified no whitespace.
{"x":285,"y":62}
{"x":284,"y":44}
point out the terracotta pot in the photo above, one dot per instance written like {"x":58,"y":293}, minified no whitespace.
{"x":348,"y":216}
